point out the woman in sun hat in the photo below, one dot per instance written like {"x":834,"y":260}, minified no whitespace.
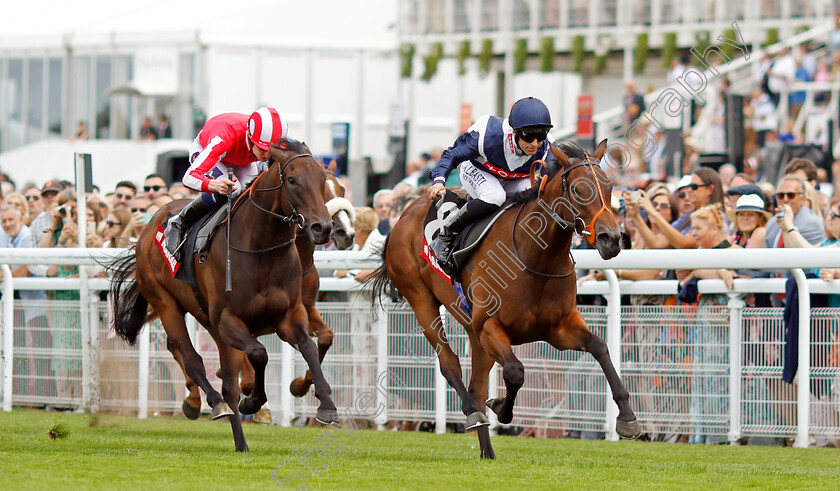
{"x":749,"y":219}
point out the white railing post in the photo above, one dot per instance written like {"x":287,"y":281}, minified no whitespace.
{"x":8,"y":335}
{"x":803,"y":372}
{"x":84,"y":325}
{"x":736,"y":305}
{"x":382,"y":399}
{"x":614,"y":346}
{"x":93,"y":301}
{"x":440,"y":382}
{"x":143,"y":373}
{"x":287,"y":370}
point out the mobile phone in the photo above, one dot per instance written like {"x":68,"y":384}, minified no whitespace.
{"x":635,"y":195}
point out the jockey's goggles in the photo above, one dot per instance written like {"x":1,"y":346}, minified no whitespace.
{"x":528,"y":135}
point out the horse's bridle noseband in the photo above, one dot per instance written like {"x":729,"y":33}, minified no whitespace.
{"x":294,"y":218}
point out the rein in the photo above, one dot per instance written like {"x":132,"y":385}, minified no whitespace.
{"x":291,"y":220}
{"x":588,"y":231}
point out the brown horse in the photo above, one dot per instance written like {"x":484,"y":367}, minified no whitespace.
{"x":266,"y":272}
{"x":520,"y":282}
{"x":343,"y":235}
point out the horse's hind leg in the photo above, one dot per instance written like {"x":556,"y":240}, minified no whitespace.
{"x":192,"y":403}
{"x":576,"y":335}
{"x":294,"y":331}
{"x":231,"y":361}
{"x":300,"y":386}
{"x":172,"y":318}
{"x":495,"y":341}
{"x":235,"y":333}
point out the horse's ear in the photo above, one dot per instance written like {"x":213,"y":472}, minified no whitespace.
{"x":332,"y":166}
{"x":561,"y":157}
{"x":600,"y":150}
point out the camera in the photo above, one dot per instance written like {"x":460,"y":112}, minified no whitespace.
{"x":635,"y":196}
{"x":62,"y":210}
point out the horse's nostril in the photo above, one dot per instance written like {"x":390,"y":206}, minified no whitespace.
{"x":317,"y":228}
{"x":341,"y":233}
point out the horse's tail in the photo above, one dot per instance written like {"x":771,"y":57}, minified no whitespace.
{"x":129,"y":306}
{"x":380,"y":281}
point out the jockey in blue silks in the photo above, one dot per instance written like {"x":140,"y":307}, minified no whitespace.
{"x":497,"y":155}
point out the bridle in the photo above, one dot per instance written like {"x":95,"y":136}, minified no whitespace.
{"x":587,"y":231}
{"x":290,"y":220}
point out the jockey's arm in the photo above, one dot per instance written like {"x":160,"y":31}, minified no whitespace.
{"x":195,"y":177}
{"x":465,"y":148}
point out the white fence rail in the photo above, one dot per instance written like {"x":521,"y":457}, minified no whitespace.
{"x":700,"y":370}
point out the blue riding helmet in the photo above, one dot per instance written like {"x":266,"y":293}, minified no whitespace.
{"x":529,"y":111}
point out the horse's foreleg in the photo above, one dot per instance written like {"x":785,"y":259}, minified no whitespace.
{"x":231,"y":361}
{"x":482,"y":363}
{"x":294,"y":331}
{"x":192,"y":403}
{"x":575,"y":334}
{"x":300,"y":386}
{"x":495,"y":341}
{"x":236,"y":334}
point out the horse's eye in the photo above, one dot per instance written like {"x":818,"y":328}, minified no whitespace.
{"x":291,"y":180}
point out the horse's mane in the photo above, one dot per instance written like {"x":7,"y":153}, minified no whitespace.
{"x":572,"y":150}
{"x":291,"y":145}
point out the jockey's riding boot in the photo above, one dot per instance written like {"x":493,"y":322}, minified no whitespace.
{"x":178,"y":224}
{"x":444,"y":243}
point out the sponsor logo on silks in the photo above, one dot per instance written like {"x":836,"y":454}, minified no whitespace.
{"x":510,"y":143}
{"x":504,"y":174}
{"x":432,"y":260}
{"x":160,"y":242}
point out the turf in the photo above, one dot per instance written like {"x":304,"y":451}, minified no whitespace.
{"x":120,"y":452}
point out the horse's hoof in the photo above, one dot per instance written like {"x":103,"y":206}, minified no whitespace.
{"x":221,"y":410}
{"x":497,"y":405}
{"x":249,"y":406}
{"x":243,"y":448}
{"x":190,"y":411}
{"x":490,"y":454}
{"x":263,"y":416}
{"x":476,"y":420}
{"x":628,"y":429}
{"x":326,"y":416}
{"x":296,"y":389}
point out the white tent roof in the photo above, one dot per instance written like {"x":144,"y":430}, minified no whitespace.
{"x":303,"y":23}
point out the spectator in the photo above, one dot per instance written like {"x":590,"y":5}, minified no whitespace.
{"x":115,"y":225}
{"x":704,"y":189}
{"x":708,"y":391}
{"x":684,"y":205}
{"x":365,"y":223}
{"x":179,"y":191}
{"x":147,"y":131}
{"x":81,"y":132}
{"x":123,"y":194}
{"x":763,"y":116}
{"x":382,"y":206}
{"x":153,"y":186}
{"x":634,"y":103}
{"x":749,"y":218}
{"x":19,"y":201}
{"x":661,"y":203}
{"x":790,"y":196}
{"x":803,"y":169}
{"x":163,"y":129}
{"x":33,"y":202}
{"x":736,"y":192}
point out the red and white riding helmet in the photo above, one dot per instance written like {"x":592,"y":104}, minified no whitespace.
{"x":266,"y":126}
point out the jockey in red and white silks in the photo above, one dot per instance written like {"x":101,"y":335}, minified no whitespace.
{"x":230,"y":140}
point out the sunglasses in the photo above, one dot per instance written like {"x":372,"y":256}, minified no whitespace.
{"x":135,"y":210}
{"x":33,"y":198}
{"x":530,"y":136}
{"x":680,"y":194}
{"x":152,"y":188}
{"x":661,"y":206}
{"x":789,"y":196}
{"x":832,"y":215}
{"x":695,"y":187}
{"x":110,"y":223}
{"x":123,"y":196}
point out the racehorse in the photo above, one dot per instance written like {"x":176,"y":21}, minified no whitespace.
{"x":520,"y":281}
{"x":343,"y":235}
{"x":266,"y":272}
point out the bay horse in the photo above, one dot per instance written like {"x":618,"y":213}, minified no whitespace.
{"x":266,"y":272}
{"x":520,"y":281}
{"x":342,"y":236}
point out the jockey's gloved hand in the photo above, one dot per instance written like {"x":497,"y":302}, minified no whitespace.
{"x":436,"y":189}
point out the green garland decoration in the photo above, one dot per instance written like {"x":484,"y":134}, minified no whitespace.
{"x":772,"y":37}
{"x":600,"y":64}
{"x":431,"y":60}
{"x":728,"y":49}
{"x":640,"y":54}
{"x":520,"y":55}
{"x":703,"y":43}
{"x":578,"y":51}
{"x":485,"y":56}
{"x":669,"y":49}
{"x":547,"y":54}
{"x":463,"y":55}
{"x":406,"y":60}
